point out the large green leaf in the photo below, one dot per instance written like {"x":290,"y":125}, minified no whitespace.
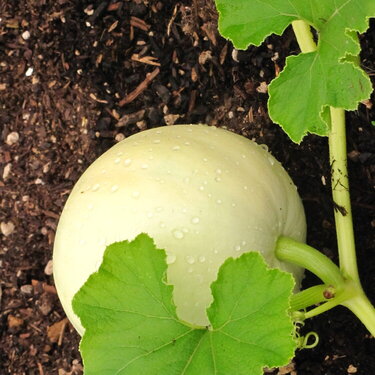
{"x":132,"y":328}
{"x":300,"y":97}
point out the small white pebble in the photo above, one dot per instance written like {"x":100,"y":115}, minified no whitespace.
{"x":119,"y":137}
{"x":48,"y":269}
{"x":352,"y":369}
{"x":6,"y":171}
{"x":7,"y":228}
{"x":235,"y":55}
{"x":12,"y":138}
{"x":89,"y":10}
{"x":26,"y":289}
{"x":26,"y":35}
{"x":39,"y":181}
{"x":262,"y":88}
{"x":29,"y":72}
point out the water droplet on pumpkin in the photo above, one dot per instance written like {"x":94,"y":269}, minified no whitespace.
{"x":114,"y":188}
{"x":202,"y":259}
{"x":117,"y":160}
{"x":176,"y":148}
{"x":96,"y":187}
{"x":195,"y":220}
{"x":237,"y":248}
{"x":190,"y":259}
{"x":127,"y":162}
{"x":90,"y":206}
{"x":264,"y":147}
{"x":136,"y":194}
{"x":178,"y":234}
{"x":156,"y":141}
{"x":171,"y":258}
{"x":219,"y":201}
{"x":144,"y":166}
{"x":162,"y":224}
{"x":271,"y":160}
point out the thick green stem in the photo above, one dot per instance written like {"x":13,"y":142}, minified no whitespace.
{"x":364,"y":310}
{"x":304,"y":36}
{"x":341,"y":197}
{"x":353,"y":297}
{"x":308,"y":297}
{"x":339,"y":171}
{"x":307,"y":257}
{"x":337,"y":290}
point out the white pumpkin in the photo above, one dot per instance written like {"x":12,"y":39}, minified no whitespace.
{"x":203,"y":194}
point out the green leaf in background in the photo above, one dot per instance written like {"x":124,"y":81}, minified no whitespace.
{"x":132,"y":328}
{"x":310,"y":82}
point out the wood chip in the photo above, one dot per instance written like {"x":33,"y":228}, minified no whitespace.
{"x":262,"y":88}
{"x":56,"y":330}
{"x":113,"y":26}
{"x":172,"y":19}
{"x":14,"y":322}
{"x":93,"y":97}
{"x":204,"y":57}
{"x":150,"y":60}
{"x":113,"y":7}
{"x":210,"y":30}
{"x":171,"y":119}
{"x":131,"y":118}
{"x":223,"y":54}
{"x":140,"y":88}
{"x":367,"y":103}
{"x":140,"y":24}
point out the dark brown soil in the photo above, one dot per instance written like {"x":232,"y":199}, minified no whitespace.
{"x":65,"y":68}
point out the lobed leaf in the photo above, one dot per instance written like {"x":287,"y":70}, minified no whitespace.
{"x":131,"y":326}
{"x":311,"y":82}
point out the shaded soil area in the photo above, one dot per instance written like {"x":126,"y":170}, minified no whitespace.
{"x":78,"y":76}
